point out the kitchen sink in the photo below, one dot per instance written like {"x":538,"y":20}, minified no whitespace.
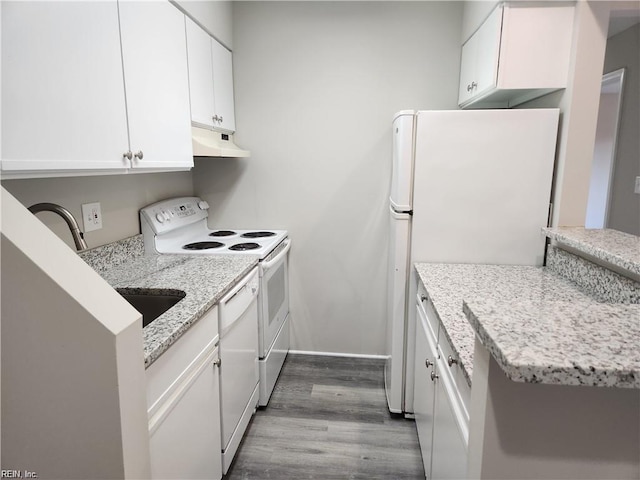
{"x":151,"y":303}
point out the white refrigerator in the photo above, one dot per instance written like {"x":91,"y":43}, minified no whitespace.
{"x":468,"y":186}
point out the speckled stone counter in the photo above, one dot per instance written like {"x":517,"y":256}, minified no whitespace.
{"x":561,"y":341}
{"x":619,"y":249}
{"x":539,"y":327}
{"x":204,"y":279}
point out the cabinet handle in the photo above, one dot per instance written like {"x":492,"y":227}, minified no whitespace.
{"x":451,"y":360}
{"x":217,"y":362}
{"x":434,"y":376}
{"x":423,"y":298}
{"x":128,"y":155}
{"x":471,"y":86}
{"x":139,"y":155}
{"x":428,"y":363}
{"x":216,"y":118}
{"x":221,"y":119}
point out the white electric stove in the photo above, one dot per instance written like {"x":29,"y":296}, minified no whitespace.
{"x":179,"y":226}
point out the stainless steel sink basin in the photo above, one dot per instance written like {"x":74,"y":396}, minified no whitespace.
{"x":151,"y":303}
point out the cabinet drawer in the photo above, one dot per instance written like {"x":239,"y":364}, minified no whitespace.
{"x":451,"y":364}
{"x":424,"y":303}
{"x":172,"y":363}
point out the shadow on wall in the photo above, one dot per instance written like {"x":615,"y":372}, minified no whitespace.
{"x":218,"y":179}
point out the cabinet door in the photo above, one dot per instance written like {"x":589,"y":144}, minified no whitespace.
{"x":468,"y":67}
{"x":185,"y":433}
{"x":154,"y":55}
{"x":63,"y":105}
{"x":488,"y":52}
{"x":200,"y":74}
{"x":449,"y":453}
{"x":223,"y":86}
{"x":424,"y":387}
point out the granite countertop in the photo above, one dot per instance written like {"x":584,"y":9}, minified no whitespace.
{"x":616,"y":248}
{"x":204,"y":279}
{"x":539,"y":327}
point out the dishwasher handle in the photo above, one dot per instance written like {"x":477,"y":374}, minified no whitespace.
{"x":238,"y":300}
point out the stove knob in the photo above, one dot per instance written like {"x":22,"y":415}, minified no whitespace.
{"x":160,"y":217}
{"x":203,"y":205}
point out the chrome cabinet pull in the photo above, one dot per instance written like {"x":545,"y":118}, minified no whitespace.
{"x":423,"y":298}
{"x":428,"y":363}
{"x":434,"y":376}
{"x":217,"y":362}
{"x":451,"y":360}
{"x":139,"y":155}
{"x":128,"y":155}
{"x":471,"y":86}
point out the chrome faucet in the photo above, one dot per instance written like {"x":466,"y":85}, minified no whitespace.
{"x":78,"y":236}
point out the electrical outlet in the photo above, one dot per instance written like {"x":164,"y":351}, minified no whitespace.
{"x":91,"y":216}
{"x":637,"y":189}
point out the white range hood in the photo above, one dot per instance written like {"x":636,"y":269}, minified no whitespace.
{"x":209,"y":143}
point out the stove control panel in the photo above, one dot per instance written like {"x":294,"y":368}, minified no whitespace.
{"x":168,"y":215}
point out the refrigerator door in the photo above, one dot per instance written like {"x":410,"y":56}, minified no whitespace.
{"x":482,"y":185}
{"x":400,"y":227}
{"x":402,"y":161}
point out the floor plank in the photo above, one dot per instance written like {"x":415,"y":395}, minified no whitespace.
{"x":328,"y":419}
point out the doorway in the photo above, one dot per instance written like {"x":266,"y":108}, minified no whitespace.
{"x":604,"y":152}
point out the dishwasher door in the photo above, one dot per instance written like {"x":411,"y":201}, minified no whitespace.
{"x":239,"y":362}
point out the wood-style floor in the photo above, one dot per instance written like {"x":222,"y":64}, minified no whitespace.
{"x":328,"y":419}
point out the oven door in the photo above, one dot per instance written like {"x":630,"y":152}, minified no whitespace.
{"x":274,"y":297}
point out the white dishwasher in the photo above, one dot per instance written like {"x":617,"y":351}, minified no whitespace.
{"x":239,"y":393}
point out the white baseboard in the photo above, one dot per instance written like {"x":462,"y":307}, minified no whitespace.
{"x":334,"y":354}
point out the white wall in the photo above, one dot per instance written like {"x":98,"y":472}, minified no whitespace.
{"x":120,"y":197}
{"x":475,"y":12}
{"x":578,"y":105}
{"x":622,"y":51}
{"x":73,"y":395}
{"x":214,"y":16}
{"x":317,"y":84}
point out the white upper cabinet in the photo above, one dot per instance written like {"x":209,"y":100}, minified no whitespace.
{"x":223,"y":86}
{"x":210,"y":80}
{"x":518,"y":53}
{"x":200,"y":74}
{"x":157,"y":84}
{"x":63,"y":105}
{"x":65,"y":108}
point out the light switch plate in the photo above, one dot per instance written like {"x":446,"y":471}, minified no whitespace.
{"x":91,"y":216}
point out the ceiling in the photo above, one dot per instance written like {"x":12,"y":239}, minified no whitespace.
{"x":622,"y":19}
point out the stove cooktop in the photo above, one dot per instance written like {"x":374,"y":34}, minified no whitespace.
{"x":221,"y":242}
{"x":179,"y":226}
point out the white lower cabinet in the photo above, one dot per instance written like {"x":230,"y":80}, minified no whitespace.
{"x":424,"y":389}
{"x":183,"y":397}
{"x":185,"y":433}
{"x":441,"y":415}
{"x":450,"y":430}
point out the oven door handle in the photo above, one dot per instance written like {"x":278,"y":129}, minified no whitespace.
{"x":267,"y":265}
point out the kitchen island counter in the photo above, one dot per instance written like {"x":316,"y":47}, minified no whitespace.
{"x":204,"y":279}
{"x":618,"y":250}
{"x":538,"y":326}
{"x":556,"y":374}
